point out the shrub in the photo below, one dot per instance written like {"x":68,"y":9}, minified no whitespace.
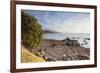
{"x":31,"y":31}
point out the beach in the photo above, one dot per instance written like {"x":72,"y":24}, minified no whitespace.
{"x":63,"y":50}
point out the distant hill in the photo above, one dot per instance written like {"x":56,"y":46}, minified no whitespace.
{"x":48,"y":31}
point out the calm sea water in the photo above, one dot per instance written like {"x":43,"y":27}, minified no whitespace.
{"x":75,"y":36}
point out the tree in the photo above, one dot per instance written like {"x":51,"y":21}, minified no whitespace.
{"x":31,"y":31}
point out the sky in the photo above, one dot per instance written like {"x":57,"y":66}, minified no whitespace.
{"x":60,"y":21}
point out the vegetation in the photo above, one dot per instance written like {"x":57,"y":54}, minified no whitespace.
{"x":28,"y":57}
{"x":31,"y":31}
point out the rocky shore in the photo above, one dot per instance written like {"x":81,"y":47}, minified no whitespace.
{"x":62,"y":50}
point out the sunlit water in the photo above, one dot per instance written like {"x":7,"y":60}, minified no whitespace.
{"x":74,"y":36}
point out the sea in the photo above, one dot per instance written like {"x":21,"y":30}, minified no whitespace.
{"x":81,"y":37}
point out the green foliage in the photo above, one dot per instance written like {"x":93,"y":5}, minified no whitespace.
{"x":31,"y":31}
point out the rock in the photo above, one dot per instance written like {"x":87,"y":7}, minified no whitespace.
{"x":83,"y":57}
{"x":88,"y":38}
{"x":75,"y":43}
{"x":68,"y":39}
{"x":54,"y":44}
{"x":66,"y":59}
{"x":70,"y":42}
{"x":73,"y":38}
{"x":49,"y":58}
{"x":82,"y":44}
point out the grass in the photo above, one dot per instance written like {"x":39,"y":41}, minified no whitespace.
{"x":28,"y":57}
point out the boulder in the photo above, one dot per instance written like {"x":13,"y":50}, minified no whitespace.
{"x":75,"y":43}
{"x":70,"y":42}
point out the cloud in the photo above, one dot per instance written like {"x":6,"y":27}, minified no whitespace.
{"x":74,"y":24}
{"x":71,"y":22}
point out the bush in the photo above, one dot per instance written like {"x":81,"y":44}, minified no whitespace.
{"x":31,"y":31}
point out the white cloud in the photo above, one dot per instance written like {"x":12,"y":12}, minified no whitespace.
{"x":75,"y":24}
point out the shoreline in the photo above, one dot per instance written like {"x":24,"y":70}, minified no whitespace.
{"x":55,"y":50}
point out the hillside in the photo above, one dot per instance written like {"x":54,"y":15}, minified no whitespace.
{"x":27,"y":56}
{"x":49,"y":31}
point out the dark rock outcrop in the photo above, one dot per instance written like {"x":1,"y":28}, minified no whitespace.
{"x":75,"y":43}
{"x":70,"y":42}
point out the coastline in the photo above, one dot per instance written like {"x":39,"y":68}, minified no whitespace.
{"x":56,"y":50}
